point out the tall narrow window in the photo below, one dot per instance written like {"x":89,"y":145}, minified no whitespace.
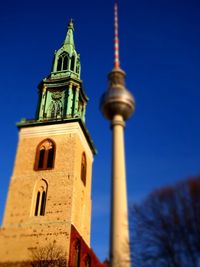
{"x":83,"y":168}
{"x":37,"y":203}
{"x":39,"y":198}
{"x":65,"y":63}
{"x":45,"y":155}
{"x":50,"y":158}
{"x":59,"y":66}
{"x":74,"y":99}
{"x":72,"y":62}
{"x":41,"y":158}
{"x":43,"y":202}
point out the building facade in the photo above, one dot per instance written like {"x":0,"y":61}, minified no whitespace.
{"x":49,"y":197}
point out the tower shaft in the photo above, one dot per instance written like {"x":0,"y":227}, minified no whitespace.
{"x":119,"y":235}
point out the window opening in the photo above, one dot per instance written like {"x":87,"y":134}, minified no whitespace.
{"x":50,"y":158}
{"x":72,"y":62}
{"x":59,"y":66}
{"x":42,"y":209}
{"x":41,"y":158}
{"x":45,"y":155}
{"x":40,"y":196}
{"x":83,"y":168}
{"x":74,"y":99}
{"x":65,"y":63}
{"x":37,"y":203}
{"x":77,"y":68}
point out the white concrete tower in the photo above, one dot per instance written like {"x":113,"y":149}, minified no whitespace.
{"x":117,"y":105}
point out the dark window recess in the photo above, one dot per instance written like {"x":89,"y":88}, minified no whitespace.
{"x":42,"y":208}
{"x":74,"y":99}
{"x":45,"y":155}
{"x":37,"y":203}
{"x":40,"y":196}
{"x":59,"y":66}
{"x":50,"y":158}
{"x":72,"y":62}
{"x":41,"y":158}
{"x":65,"y":63}
{"x":83,"y":168}
{"x":77,"y":68}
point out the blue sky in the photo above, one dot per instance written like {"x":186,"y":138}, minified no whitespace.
{"x":159,"y":50}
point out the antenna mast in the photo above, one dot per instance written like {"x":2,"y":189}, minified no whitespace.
{"x":116,"y":39}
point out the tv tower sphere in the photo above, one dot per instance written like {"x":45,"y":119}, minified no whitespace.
{"x":117,"y":100}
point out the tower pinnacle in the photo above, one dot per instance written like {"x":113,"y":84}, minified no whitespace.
{"x":66,"y":59}
{"x":69,"y":40}
{"x":117,"y":105}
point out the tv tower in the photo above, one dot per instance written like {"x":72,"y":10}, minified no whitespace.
{"x":117,"y":104}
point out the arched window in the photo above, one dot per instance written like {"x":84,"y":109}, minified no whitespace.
{"x":83,"y":168}
{"x":59,"y":66}
{"x":45,"y":155}
{"x":77,"y":254}
{"x":40,"y":195}
{"x":63,"y":62}
{"x":72,"y":62}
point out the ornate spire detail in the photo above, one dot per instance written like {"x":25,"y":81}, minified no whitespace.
{"x":61,"y":94}
{"x":69,"y":40}
{"x":66,"y":60}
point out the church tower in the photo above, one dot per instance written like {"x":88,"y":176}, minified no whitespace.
{"x":49,"y":197}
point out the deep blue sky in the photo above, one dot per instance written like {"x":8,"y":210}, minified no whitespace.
{"x":160,"y":52}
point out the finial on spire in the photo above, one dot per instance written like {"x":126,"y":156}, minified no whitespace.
{"x":71,"y":24}
{"x":116,"y":39}
{"x":69,"y":39}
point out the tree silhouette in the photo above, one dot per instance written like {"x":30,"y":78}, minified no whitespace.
{"x":48,"y":256}
{"x":166,"y":227}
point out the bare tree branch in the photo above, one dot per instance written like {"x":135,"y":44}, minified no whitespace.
{"x":48,"y":256}
{"x":166,"y":227}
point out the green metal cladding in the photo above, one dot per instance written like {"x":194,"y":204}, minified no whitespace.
{"x":61,"y":94}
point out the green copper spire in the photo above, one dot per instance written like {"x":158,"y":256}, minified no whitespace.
{"x":61,"y":94}
{"x":69,"y":40}
{"x":66,"y":60}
